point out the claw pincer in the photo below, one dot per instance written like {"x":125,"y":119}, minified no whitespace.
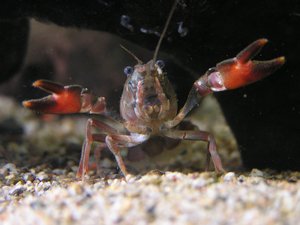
{"x":65,"y":99}
{"x":238,"y":71}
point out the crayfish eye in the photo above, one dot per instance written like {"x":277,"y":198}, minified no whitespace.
{"x":211,"y":70}
{"x":160,"y":63}
{"x":128,"y":70}
{"x":85,"y":91}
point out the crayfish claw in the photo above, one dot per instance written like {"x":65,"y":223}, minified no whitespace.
{"x":262,"y":69}
{"x":241,"y":70}
{"x":40,"y":105}
{"x":63,"y":100}
{"x":48,"y":86}
{"x":251,"y":50}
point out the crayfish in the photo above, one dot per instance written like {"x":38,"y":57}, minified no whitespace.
{"x":148,"y":105}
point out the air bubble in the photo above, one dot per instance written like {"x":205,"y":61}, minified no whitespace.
{"x":149,"y":31}
{"x":125,"y":22}
{"x":183,"y":31}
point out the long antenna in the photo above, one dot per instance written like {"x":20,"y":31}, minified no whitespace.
{"x":133,"y":55}
{"x":164,"y":31}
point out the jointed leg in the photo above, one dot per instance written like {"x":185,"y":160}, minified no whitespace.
{"x":229,"y":74}
{"x":89,"y":138}
{"x":97,"y":153}
{"x":200,"y":136}
{"x":115,"y":141}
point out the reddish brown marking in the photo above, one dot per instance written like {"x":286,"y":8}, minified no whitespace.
{"x":67,"y":102}
{"x":237,"y":75}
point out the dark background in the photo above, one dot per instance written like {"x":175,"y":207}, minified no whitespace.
{"x":264,"y":116}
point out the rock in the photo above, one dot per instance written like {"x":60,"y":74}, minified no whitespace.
{"x":28,"y":177}
{"x":42,"y":176}
{"x":229,"y":177}
{"x":257,"y":173}
{"x":17,"y":190}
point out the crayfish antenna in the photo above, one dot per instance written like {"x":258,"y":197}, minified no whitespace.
{"x":140,"y":62}
{"x":164,"y":31}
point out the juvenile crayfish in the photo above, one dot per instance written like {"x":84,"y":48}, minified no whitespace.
{"x":148,"y":105}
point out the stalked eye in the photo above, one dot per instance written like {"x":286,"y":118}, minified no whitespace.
{"x":211,"y":70}
{"x":160,"y":63}
{"x":128,"y":70}
{"x":85,"y":91}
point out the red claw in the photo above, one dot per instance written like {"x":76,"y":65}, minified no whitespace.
{"x":241,"y":70}
{"x":63,"y":99}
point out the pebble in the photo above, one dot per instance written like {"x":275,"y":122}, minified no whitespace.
{"x":59,"y":171}
{"x":11,"y":179}
{"x":28,"y":177}
{"x":17,"y":190}
{"x":200,"y":183}
{"x":76,"y":188}
{"x":229,"y":177}
{"x":9,"y":168}
{"x":169,"y":198}
{"x":42,"y":176}
{"x":257,"y":173}
{"x":241,"y":178}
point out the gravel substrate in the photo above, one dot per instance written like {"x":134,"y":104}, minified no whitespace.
{"x":38,"y":184}
{"x":154,"y":198}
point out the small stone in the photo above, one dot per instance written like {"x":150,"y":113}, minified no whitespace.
{"x":256,"y":173}
{"x":28,"y":177}
{"x":11,"y":179}
{"x":37,"y":204}
{"x":292,"y":179}
{"x":130,"y":178}
{"x":174,"y":177}
{"x":241,"y":178}
{"x":151,"y":179}
{"x":76,"y":189}
{"x":46,"y":186}
{"x":257,"y":180}
{"x":17,"y":190}
{"x":58,"y":171}
{"x":10,"y":168}
{"x":229,"y":177}
{"x":99,"y":185}
{"x":42,"y":176}
{"x":200,"y":182}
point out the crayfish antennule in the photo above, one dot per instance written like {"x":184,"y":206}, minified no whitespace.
{"x":140,"y":62}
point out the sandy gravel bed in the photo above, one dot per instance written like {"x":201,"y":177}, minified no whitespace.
{"x":38,"y":163}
